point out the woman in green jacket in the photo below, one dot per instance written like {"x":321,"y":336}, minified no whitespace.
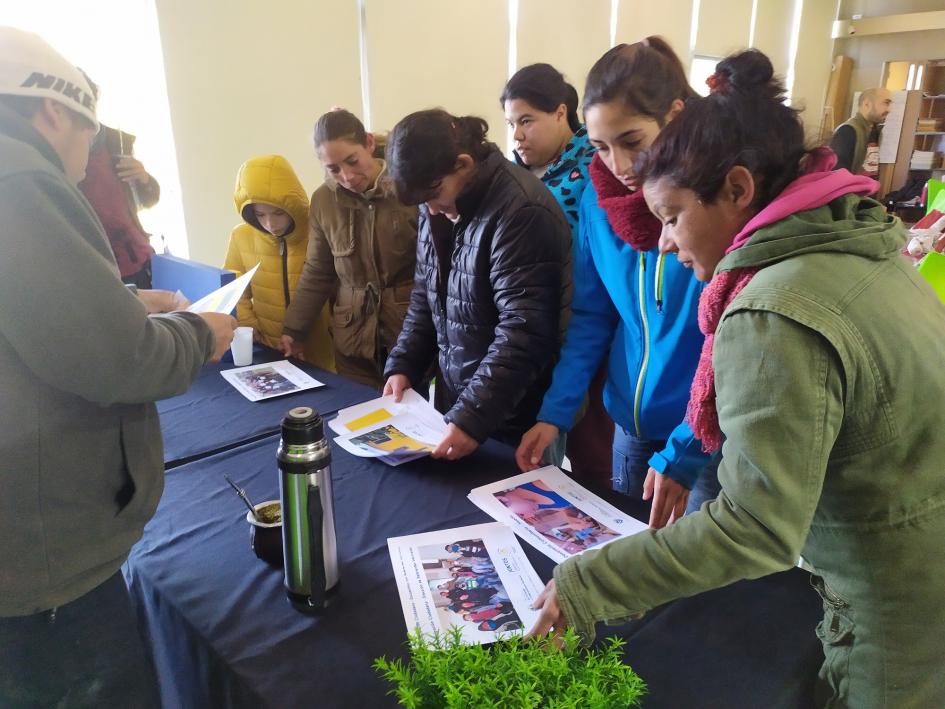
{"x":820,"y":379}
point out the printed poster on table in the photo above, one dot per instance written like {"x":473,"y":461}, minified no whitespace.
{"x":476,"y":578}
{"x":264,"y":381}
{"x":553,"y":513}
{"x":392,"y":432}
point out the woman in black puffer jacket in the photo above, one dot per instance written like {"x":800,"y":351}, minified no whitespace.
{"x":492,"y":290}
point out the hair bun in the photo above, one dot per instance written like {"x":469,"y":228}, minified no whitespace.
{"x":751,"y":72}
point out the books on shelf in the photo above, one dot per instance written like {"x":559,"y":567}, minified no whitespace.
{"x":925,"y":160}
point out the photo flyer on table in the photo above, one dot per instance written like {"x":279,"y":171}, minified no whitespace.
{"x":553,"y":513}
{"x":476,"y":578}
{"x":264,"y":381}
{"x":394,"y":433}
{"x":223,"y":300}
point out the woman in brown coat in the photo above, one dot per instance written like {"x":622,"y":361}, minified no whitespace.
{"x":361,"y":253}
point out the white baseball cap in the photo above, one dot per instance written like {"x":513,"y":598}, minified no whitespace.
{"x":29,"y":66}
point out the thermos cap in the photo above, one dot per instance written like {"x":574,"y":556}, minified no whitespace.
{"x":301,"y":426}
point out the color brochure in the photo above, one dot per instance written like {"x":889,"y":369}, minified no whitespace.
{"x":265,"y":381}
{"x":477,"y":578}
{"x":392,"y":432}
{"x":553,"y":513}
{"x":224,"y":300}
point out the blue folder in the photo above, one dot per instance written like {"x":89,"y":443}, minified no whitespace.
{"x":193,"y":279}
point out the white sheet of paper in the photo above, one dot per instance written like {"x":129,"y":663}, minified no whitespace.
{"x":553,"y":513}
{"x":384,"y":408}
{"x":892,"y":127}
{"x":265,"y":381}
{"x":490,"y":558}
{"x":224,"y":299}
{"x":394,"y":440}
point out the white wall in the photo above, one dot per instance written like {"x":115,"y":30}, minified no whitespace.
{"x":813,"y":60}
{"x":246,"y":78}
{"x":588,"y":36}
{"x":451,"y":54}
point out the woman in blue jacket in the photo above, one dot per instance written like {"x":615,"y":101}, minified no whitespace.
{"x":541,"y":109}
{"x":630,"y":300}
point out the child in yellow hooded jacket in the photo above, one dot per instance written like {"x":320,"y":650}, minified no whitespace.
{"x":274,"y":233}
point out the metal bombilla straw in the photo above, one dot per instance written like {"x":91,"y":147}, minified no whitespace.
{"x":242,"y":493}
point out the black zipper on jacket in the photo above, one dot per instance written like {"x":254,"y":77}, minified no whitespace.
{"x":284,"y":252}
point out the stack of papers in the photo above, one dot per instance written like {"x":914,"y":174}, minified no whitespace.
{"x":392,"y":432}
{"x":924,"y":160}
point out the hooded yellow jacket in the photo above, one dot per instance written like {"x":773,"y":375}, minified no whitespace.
{"x":271,"y":180}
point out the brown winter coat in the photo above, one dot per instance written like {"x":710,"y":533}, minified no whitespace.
{"x":361,"y":258}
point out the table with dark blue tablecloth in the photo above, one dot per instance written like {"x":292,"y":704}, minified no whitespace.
{"x":213,"y":416}
{"x":224,"y":634}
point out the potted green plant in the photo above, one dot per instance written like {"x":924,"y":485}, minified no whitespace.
{"x":443,"y":671}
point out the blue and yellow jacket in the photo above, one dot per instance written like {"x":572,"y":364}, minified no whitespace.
{"x":643,"y":308}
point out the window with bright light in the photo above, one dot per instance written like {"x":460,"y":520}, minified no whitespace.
{"x":117,"y":43}
{"x":701,"y":69}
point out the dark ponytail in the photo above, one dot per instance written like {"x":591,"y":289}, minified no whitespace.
{"x":544,"y":87}
{"x":423,"y":148}
{"x":646,"y":77}
{"x":744,"y":121}
{"x":339,"y":124}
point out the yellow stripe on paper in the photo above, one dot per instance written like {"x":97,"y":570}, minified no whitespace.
{"x":368,"y":420}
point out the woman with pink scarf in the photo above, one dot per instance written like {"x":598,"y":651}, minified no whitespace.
{"x":820,"y":381}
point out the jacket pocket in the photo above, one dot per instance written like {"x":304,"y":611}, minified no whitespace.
{"x":341,"y":317}
{"x":351,"y":331}
{"x":340,"y":237}
{"x":837,"y":635}
{"x":137,"y":496}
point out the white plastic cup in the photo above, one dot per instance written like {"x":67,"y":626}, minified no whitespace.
{"x":242,"y":346}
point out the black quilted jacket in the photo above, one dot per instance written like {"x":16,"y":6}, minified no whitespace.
{"x":491,"y":297}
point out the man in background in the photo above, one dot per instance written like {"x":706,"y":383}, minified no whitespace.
{"x":856,"y":142}
{"x":81,"y":361}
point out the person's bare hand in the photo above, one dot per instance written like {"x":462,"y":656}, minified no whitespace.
{"x":291,"y":348}
{"x":395,"y":386}
{"x":222,"y":327}
{"x":550,"y":619}
{"x":669,"y":498}
{"x":130,"y":169}
{"x":162,"y":301}
{"x":456,"y":444}
{"x":532,"y":447}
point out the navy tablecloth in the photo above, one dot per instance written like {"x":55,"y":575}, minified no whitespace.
{"x":213,"y":416}
{"x":225,"y":635}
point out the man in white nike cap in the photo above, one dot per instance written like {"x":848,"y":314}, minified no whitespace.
{"x":81,"y":361}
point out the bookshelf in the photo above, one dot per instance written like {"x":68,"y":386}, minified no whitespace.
{"x":922,"y":136}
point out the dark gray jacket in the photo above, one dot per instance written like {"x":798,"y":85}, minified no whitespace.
{"x":81,"y":460}
{"x":491,"y":296}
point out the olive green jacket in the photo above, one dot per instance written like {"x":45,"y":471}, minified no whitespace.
{"x":831,"y":397}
